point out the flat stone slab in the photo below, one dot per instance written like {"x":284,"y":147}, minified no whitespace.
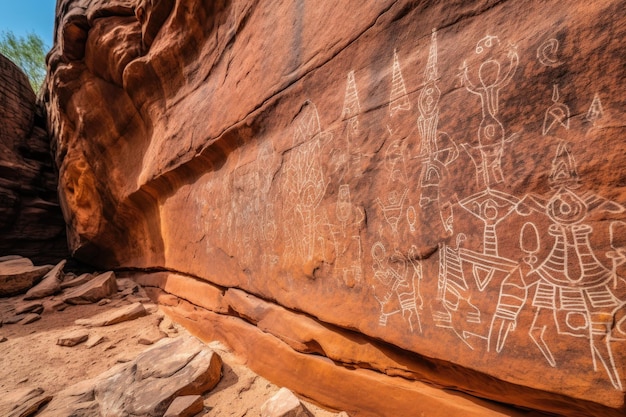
{"x":118,"y":315}
{"x":94,"y":290}
{"x":76,"y":281}
{"x":74,"y":338}
{"x":145,"y":386}
{"x":185,"y":406}
{"x":22,"y":402}
{"x":19,"y":275}
{"x":284,"y":404}
{"x":49,"y":285}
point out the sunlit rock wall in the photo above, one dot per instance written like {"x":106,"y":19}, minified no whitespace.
{"x":432,"y":191}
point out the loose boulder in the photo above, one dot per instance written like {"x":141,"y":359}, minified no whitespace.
{"x":49,"y":285}
{"x":102,"y":286}
{"x":19,"y":275}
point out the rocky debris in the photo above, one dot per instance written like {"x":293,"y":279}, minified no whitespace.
{"x":102,"y":286}
{"x":94,"y":339}
{"x":30,"y":217}
{"x":32,"y":307}
{"x":18,"y":274}
{"x":145,"y":386}
{"x":76,"y":280}
{"x":22,"y":402}
{"x":74,"y":338}
{"x":151,"y":335}
{"x":117,"y":315}
{"x":185,"y":406}
{"x":284,"y":404}
{"x":29,"y":318}
{"x":3,"y":339}
{"x":49,"y":285}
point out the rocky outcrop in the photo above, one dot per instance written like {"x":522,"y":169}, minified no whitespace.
{"x":31,"y":223}
{"x":146,"y":386}
{"x":427,"y":191}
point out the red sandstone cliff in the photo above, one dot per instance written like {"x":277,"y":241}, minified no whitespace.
{"x":31,"y":223}
{"x":428,"y":194}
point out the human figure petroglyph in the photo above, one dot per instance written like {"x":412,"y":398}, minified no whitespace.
{"x":346,"y":238}
{"x":437,"y":150}
{"x":491,"y":134}
{"x":572,"y":288}
{"x":305,"y":184}
{"x":394,"y":290}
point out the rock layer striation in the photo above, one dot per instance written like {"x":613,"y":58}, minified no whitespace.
{"x":430,"y":195}
{"x":31,"y":223}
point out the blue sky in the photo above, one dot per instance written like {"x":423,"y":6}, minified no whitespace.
{"x":24,"y":16}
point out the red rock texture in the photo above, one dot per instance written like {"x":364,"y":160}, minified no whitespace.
{"x":31,"y":223}
{"x":439,"y":184}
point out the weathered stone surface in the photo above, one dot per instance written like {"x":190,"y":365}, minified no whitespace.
{"x":32,"y":307}
{"x":29,"y":318}
{"x":102,"y":286}
{"x":284,"y":404}
{"x":185,"y":406}
{"x":31,"y":223}
{"x":145,"y":386}
{"x":49,"y":285}
{"x":442,"y":178}
{"x":74,"y":338}
{"x":76,"y":281}
{"x":23,"y":402}
{"x":19,"y":275}
{"x":118,"y":315}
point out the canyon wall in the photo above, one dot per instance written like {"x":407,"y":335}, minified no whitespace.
{"x":31,"y":223}
{"x":391,"y":207}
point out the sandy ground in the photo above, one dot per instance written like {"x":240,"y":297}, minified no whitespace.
{"x":30,"y":357}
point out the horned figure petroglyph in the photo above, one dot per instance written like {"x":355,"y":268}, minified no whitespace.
{"x":572,"y":288}
{"x":395,"y":291}
{"x":491,"y":134}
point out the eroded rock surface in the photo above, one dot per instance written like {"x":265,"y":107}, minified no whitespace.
{"x":440,"y":183}
{"x":31,"y":223}
{"x":146,"y":386}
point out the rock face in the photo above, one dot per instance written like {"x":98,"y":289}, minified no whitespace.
{"x":432,"y":190}
{"x":31,"y":223}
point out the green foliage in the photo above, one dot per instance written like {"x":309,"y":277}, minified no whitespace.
{"x":28,"y":53}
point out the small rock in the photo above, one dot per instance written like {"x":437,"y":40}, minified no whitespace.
{"x":58,"y":305}
{"x":118,"y":315}
{"x":76,"y":281}
{"x":3,"y":339}
{"x":23,"y":402}
{"x":284,"y":404}
{"x":34,"y":307}
{"x":123,"y":359}
{"x":49,"y":285}
{"x":94,"y":340}
{"x":151,"y":336}
{"x":13,"y":319}
{"x":151,"y":307}
{"x":185,"y":406}
{"x":102,"y":286}
{"x":135,"y":299}
{"x":73,"y":339}
{"x":104,"y":302}
{"x":30,"y":318}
